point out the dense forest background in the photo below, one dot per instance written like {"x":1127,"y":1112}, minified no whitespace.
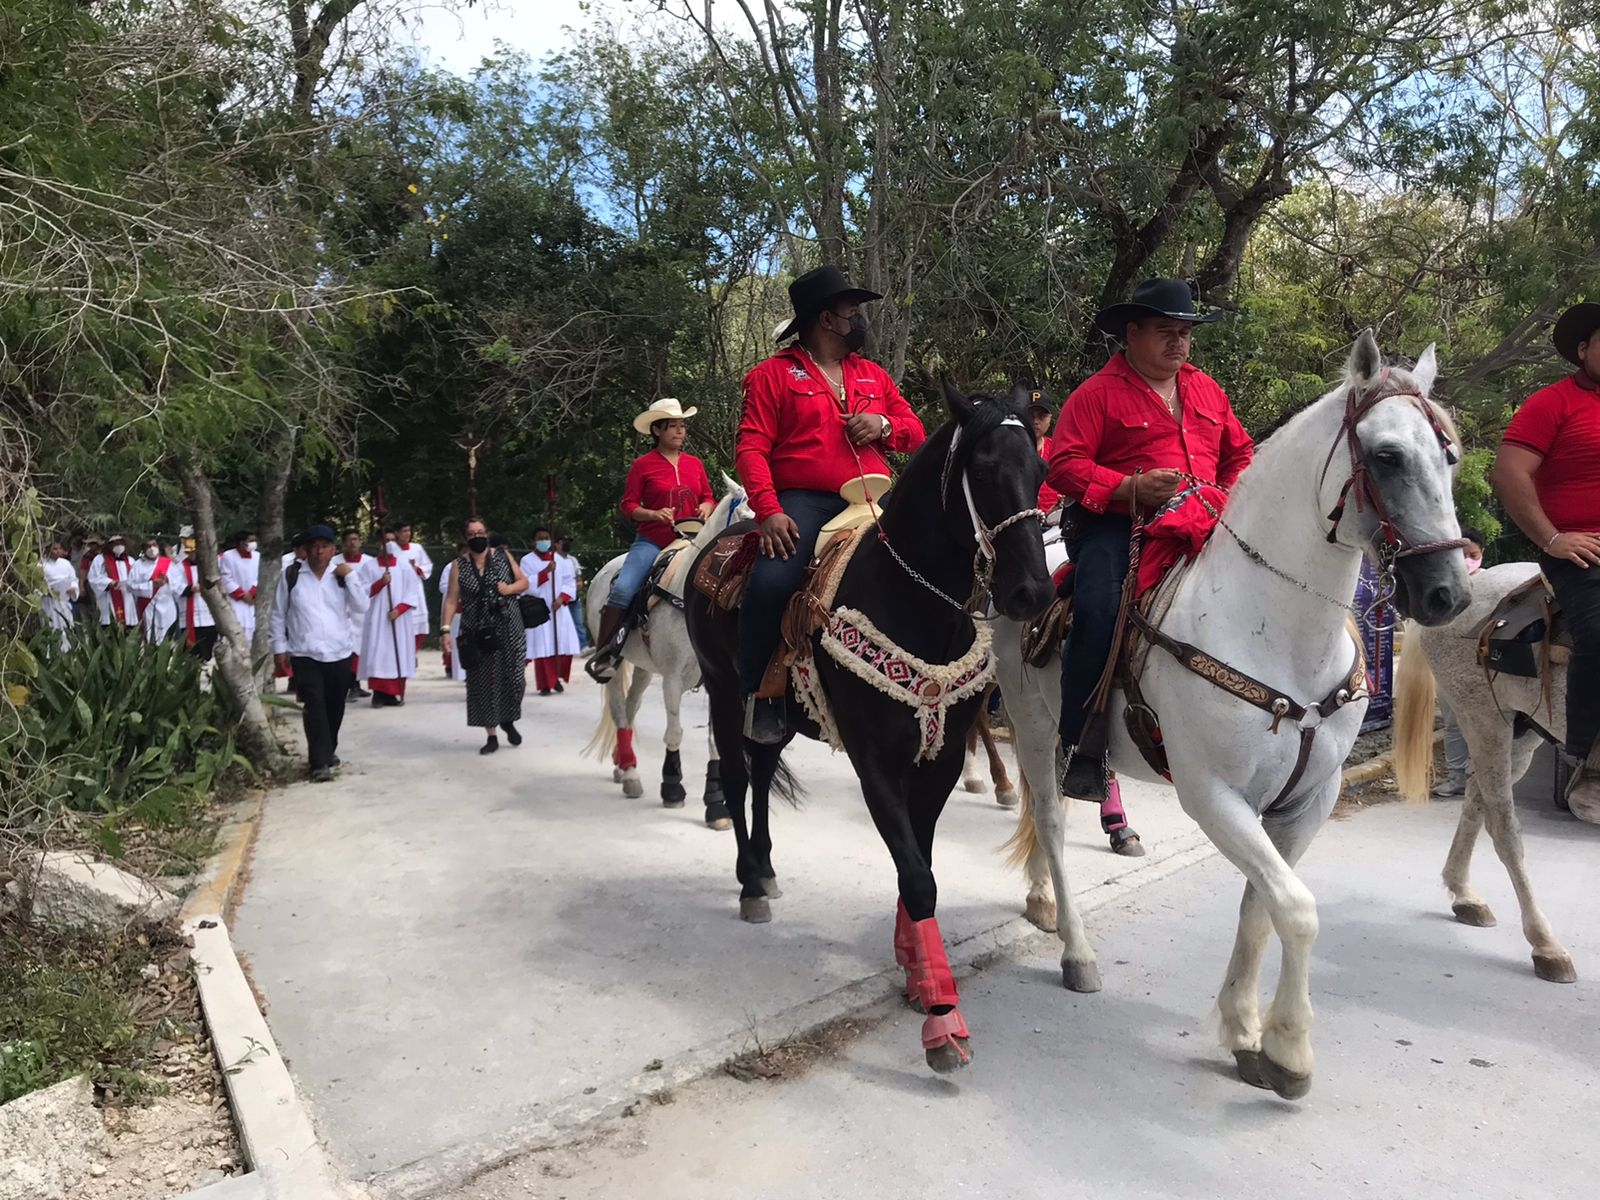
{"x":253,"y":247}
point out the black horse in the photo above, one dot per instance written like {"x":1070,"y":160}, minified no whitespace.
{"x":965,"y":504}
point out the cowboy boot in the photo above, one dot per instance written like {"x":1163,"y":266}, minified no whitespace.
{"x":602,"y":664}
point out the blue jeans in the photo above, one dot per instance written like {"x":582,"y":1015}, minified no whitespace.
{"x":1099,"y":562}
{"x":635,"y":570}
{"x":774,"y":580}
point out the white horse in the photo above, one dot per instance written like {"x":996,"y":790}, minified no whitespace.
{"x":662,"y":649}
{"x":1445,"y":659}
{"x":1269,"y":600}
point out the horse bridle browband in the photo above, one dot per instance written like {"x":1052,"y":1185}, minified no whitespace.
{"x":983,"y":535}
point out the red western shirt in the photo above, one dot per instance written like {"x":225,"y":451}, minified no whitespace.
{"x":1115,"y":424}
{"x":1562,"y":423}
{"x":792,"y":434}
{"x":656,"y":482}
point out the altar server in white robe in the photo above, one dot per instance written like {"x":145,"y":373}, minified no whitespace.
{"x":551,"y":645}
{"x":194,"y":614}
{"x":110,"y":579}
{"x":157,"y":582}
{"x":388,"y":651}
{"x":241,"y":571}
{"x":363,"y":570}
{"x":414,"y":554}
{"x":60,"y":587}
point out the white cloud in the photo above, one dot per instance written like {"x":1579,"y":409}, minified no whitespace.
{"x":457,"y":37}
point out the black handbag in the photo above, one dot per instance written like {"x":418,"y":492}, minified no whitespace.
{"x":475,"y":646}
{"x":535,"y":611}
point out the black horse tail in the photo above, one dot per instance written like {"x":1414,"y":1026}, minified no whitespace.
{"x":786,"y":784}
{"x":767,"y":761}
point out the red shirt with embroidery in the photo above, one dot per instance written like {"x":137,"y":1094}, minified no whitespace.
{"x":656,"y":482}
{"x":792,"y":434}
{"x":1115,"y":424}
{"x":1562,"y":424}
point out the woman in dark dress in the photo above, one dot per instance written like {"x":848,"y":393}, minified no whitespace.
{"x":484,"y":587}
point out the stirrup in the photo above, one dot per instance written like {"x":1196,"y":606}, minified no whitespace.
{"x":602,"y":664}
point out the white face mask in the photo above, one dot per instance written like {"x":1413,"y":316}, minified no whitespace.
{"x":118,"y":551}
{"x":152,"y":552}
{"x":250,"y":547}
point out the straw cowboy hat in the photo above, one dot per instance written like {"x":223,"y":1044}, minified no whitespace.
{"x":815,"y":291}
{"x":662,"y":410}
{"x":1574,"y":327}
{"x":1153,"y":298}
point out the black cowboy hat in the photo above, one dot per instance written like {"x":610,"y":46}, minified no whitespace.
{"x":1153,"y":298}
{"x":1574,"y":327}
{"x":817,"y":290}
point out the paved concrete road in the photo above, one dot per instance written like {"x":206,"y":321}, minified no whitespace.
{"x":462,"y":956}
{"x":1446,"y":1069}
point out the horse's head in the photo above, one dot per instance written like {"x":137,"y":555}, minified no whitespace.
{"x":991,"y":495}
{"x":1400,"y":450}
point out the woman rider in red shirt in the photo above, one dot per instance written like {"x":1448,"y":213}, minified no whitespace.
{"x":664,"y":487}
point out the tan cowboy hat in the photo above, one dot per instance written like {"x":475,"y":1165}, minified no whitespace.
{"x":662,"y":410}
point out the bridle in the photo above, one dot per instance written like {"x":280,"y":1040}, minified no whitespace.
{"x":983,"y":535}
{"x":1394,"y":544}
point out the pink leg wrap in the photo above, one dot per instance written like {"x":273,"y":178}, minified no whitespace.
{"x":1112,"y":816}
{"x":624,"y":756}
{"x":905,"y":948}
{"x":931,"y":977}
{"x":937,"y":1030}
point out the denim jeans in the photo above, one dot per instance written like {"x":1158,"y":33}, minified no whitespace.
{"x":635,"y":570}
{"x":774,"y":580}
{"x":1578,"y":591}
{"x":1099,"y":563}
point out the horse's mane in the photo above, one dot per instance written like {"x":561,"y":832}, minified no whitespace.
{"x":719,"y":520}
{"x":990,"y":412}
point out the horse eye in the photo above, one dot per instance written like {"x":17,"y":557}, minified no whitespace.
{"x":1388,"y":458}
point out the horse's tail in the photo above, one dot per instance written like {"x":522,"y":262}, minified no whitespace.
{"x":603,"y":744}
{"x":1414,"y":693}
{"x":1019,"y":848}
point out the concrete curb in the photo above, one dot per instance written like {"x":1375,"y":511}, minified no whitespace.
{"x":217,"y":888}
{"x":1379,"y":765}
{"x":541,"y":1126}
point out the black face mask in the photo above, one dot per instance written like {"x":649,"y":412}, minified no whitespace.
{"x":477,"y":544}
{"x":857,"y":337}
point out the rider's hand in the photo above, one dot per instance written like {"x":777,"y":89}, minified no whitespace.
{"x":1155,"y":488}
{"x":864,"y":428}
{"x":779,"y":536}
{"x":1580,"y":548}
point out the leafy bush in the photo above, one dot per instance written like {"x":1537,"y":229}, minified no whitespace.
{"x":128,"y":731}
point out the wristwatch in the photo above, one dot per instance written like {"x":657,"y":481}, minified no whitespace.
{"x":886,"y":427}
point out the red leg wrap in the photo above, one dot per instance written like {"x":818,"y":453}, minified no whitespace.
{"x":905,"y":948}
{"x":936,"y":1030}
{"x":1112,"y":816}
{"x":934,"y":983}
{"x":625,"y":756}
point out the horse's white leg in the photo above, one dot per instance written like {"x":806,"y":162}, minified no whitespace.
{"x":632,"y":786}
{"x":1550,"y":958}
{"x":1490,"y":745}
{"x":672,"y":790}
{"x":971,"y":776}
{"x":1239,"y":1001}
{"x":1285,"y":1058}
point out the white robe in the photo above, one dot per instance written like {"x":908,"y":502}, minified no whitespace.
{"x":61,"y":585}
{"x":193,"y":611}
{"x":551,"y":580}
{"x":389,"y":648}
{"x":124,"y":606}
{"x":241,"y":574}
{"x":446,"y":572}
{"x":161,"y":613}
{"x":423,"y":566}
{"x":364,"y":570}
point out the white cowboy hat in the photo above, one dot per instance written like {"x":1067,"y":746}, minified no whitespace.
{"x":662,"y":410}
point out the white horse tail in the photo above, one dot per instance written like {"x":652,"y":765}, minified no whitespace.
{"x":603,"y":744}
{"x":1021,"y":846}
{"x":1414,"y":693}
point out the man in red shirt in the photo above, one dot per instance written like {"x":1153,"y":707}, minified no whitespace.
{"x":1547,"y":475}
{"x":816,"y":414}
{"x":664,"y":487}
{"x":1128,"y":437}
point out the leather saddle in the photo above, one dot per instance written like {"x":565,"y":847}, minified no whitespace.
{"x":1526,"y":633}
{"x":723,"y":571}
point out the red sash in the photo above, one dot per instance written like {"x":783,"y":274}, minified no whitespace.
{"x":111,"y":571}
{"x":163,"y":565}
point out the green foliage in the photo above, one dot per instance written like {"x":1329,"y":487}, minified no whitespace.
{"x":128,"y":733}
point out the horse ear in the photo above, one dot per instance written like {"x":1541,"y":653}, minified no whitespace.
{"x":1426,"y":370}
{"x":729,"y":484}
{"x":1020,"y":396}
{"x":956,"y":401}
{"x":1366,"y":360}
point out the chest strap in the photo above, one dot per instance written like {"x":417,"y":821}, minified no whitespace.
{"x":1308,"y":717}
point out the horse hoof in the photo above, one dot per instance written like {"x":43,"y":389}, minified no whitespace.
{"x":1006,"y":798}
{"x":616,"y":774}
{"x":632,"y":789}
{"x":721,"y":824}
{"x":1041,"y":911}
{"x":1473,"y":912}
{"x":1259,"y":1071}
{"x":1129,"y":846}
{"x":1554,"y":968}
{"x":769,"y":885}
{"x":950,"y":1055}
{"x":974,"y":785}
{"x":1249,"y":1064}
{"x":717,"y":816}
{"x":1081,"y":976}
{"x":755,"y":910}
{"x":669,"y":802}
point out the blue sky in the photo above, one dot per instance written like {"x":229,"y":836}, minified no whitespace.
{"x":457,"y":40}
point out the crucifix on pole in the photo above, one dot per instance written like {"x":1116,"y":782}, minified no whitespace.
{"x":471,"y":443}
